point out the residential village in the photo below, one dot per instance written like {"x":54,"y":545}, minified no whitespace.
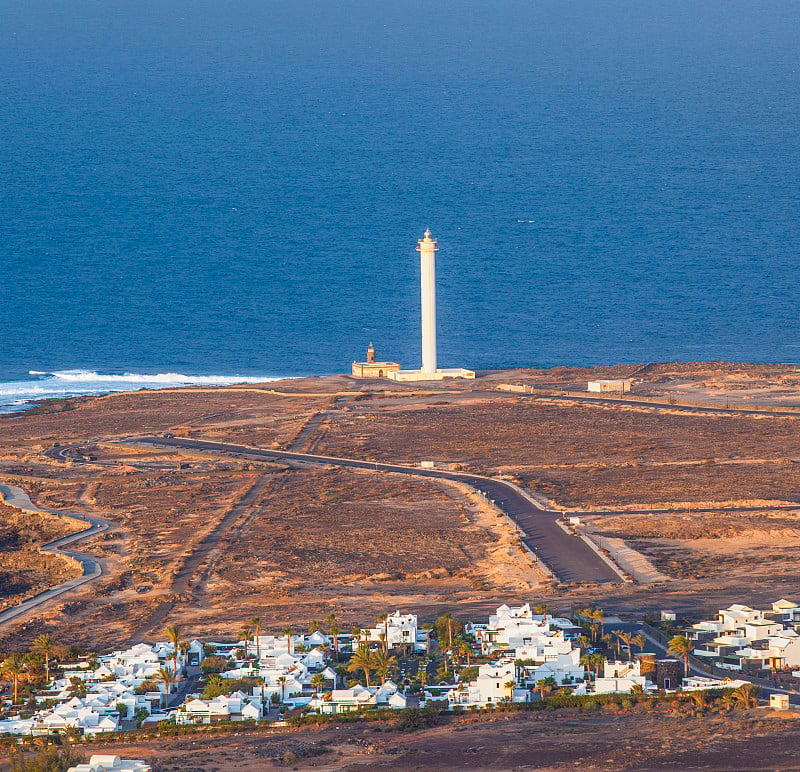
{"x":518,"y":655}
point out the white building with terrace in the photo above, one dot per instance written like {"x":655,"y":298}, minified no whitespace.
{"x":399,"y":631}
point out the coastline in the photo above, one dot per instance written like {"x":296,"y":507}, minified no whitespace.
{"x":56,"y":388}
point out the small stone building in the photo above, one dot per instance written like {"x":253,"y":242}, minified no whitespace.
{"x":669,"y":673}
{"x":373,"y":369}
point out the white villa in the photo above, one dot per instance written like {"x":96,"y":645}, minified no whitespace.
{"x":617,"y":677}
{"x":387,"y":695}
{"x":227,"y":707}
{"x":746,"y":639}
{"x":496,"y":682}
{"x":399,"y":631}
{"x":100,"y":762}
{"x":515,"y":627}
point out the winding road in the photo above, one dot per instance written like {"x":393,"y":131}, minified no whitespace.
{"x":567,"y":556}
{"x":16,"y":497}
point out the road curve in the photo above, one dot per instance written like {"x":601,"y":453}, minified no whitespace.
{"x":567,"y":556}
{"x":17,"y":498}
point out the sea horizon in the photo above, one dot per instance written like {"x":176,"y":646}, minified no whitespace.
{"x":235,"y":190}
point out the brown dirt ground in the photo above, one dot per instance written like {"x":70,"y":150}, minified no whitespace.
{"x":753,"y":740}
{"x":275,"y":418}
{"x":24,"y":571}
{"x":578,"y":455}
{"x":587,"y":455}
{"x":314,"y":540}
{"x":358,"y":543}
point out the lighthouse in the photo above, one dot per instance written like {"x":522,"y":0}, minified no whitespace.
{"x":427,"y":248}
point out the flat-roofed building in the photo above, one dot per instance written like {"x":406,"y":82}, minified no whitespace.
{"x":621,"y":386}
{"x":373,"y":369}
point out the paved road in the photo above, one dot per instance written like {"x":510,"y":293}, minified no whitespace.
{"x":17,"y":498}
{"x":625,"y":402}
{"x":569,"y":557}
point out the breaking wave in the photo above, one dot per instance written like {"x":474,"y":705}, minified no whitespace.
{"x":19,"y":395}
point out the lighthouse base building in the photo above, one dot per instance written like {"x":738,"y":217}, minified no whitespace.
{"x":440,"y":374}
{"x":373,"y":369}
{"x":427,"y":248}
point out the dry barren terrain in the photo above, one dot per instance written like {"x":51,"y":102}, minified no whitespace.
{"x":24,"y":570}
{"x":561,"y":740}
{"x":210,"y":540}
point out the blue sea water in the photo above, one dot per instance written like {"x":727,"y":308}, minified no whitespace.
{"x":236,"y":188}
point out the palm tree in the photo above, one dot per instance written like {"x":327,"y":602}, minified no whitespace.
{"x":174,"y":635}
{"x":214,"y":679}
{"x":583,"y":641}
{"x":385,"y":635}
{"x":282,"y":681}
{"x":362,"y":659}
{"x":627,"y":639}
{"x":382,"y":663}
{"x":698,"y":698}
{"x":541,"y":685}
{"x":593,"y":662}
{"x":542,"y":609}
{"x":746,"y":696}
{"x":333,"y":631}
{"x":598,"y":616}
{"x":166,"y":677}
{"x":584,"y":613}
{"x":681,"y":646}
{"x":427,"y":630}
{"x":640,"y":641}
{"x":318,"y":682}
{"x":13,"y":670}
{"x":465,"y":650}
{"x":43,"y":644}
{"x":510,"y":686}
{"x":587,"y":660}
{"x":245,"y":634}
{"x":313,"y":626}
{"x":287,"y":631}
{"x":255,"y":623}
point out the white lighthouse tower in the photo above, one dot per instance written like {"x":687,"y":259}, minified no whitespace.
{"x":430,"y":371}
{"x":427,"y":264}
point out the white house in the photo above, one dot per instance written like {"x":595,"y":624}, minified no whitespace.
{"x":511,"y":628}
{"x":398,"y":630}
{"x":344,"y":700}
{"x":617,"y":677}
{"x":563,"y":666}
{"x":496,"y":682}
{"x":234,"y":707}
{"x":743,"y":638}
{"x":100,"y":762}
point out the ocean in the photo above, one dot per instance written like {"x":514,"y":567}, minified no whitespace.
{"x":235,"y":189}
